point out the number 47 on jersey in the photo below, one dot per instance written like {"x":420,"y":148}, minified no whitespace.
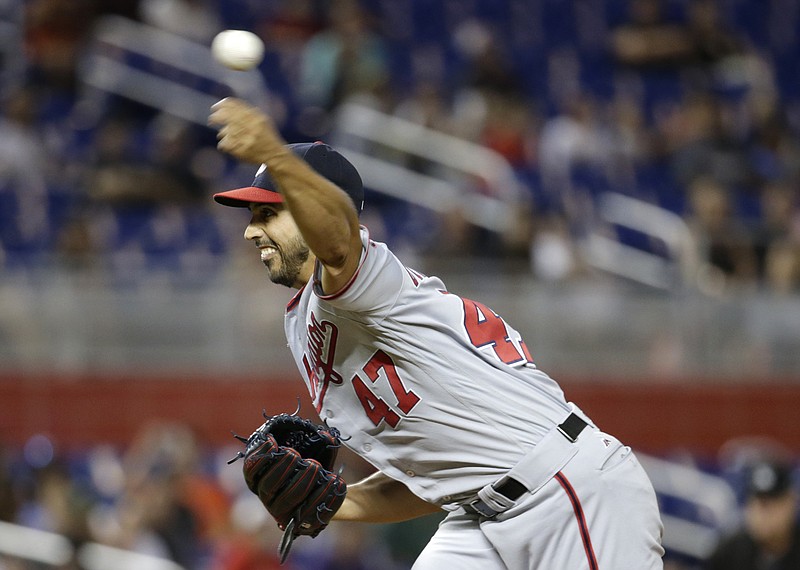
{"x":483,"y":327}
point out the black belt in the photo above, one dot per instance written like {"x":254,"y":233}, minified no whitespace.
{"x":512,"y":489}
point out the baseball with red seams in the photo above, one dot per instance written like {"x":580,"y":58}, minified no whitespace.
{"x":238,"y":49}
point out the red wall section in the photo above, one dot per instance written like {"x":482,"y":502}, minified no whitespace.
{"x":80,"y":411}
{"x":654,"y":417}
{"x":699,"y":418}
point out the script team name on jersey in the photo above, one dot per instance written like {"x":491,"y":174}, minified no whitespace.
{"x":319,"y":356}
{"x":318,"y":362}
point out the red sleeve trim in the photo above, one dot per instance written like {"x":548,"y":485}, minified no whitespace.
{"x":295,"y":300}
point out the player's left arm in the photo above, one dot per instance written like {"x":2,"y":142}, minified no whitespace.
{"x":324,"y":213}
{"x":381,"y":499}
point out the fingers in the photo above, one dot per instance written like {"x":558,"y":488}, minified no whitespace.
{"x":218,"y":112}
{"x":221,"y":103}
{"x":239,"y":127}
{"x":245,"y":131}
{"x":229,"y":111}
{"x":227,"y":141}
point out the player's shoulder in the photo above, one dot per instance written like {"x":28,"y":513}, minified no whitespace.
{"x":383,"y":264}
{"x":376,"y":252}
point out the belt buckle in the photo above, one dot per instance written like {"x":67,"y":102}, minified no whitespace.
{"x":482,"y":508}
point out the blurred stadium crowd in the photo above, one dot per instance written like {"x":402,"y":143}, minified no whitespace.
{"x":691,"y":105}
{"x":167,"y":497}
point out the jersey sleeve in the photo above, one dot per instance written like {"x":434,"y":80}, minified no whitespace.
{"x":376,"y":284}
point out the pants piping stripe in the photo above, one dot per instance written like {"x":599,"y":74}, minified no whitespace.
{"x":582,"y":526}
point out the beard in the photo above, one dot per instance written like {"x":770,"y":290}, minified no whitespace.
{"x":292,"y":259}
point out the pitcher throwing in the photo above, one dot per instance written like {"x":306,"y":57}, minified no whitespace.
{"x":435,"y":390}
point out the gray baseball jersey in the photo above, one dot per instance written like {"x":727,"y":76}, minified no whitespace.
{"x":433,"y":389}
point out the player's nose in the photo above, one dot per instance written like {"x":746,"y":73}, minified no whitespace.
{"x":253,"y":232}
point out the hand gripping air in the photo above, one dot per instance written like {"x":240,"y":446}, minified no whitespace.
{"x":288,"y":464}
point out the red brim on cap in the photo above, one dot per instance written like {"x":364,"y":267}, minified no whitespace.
{"x":242,"y":197}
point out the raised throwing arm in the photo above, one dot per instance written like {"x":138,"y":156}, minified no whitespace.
{"x":324,"y":213}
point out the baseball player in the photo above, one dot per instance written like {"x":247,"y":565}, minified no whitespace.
{"x":435,"y":390}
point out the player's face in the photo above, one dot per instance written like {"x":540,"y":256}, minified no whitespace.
{"x":283,"y":250}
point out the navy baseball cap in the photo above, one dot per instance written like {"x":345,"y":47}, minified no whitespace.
{"x":768,"y":479}
{"x":319,"y":156}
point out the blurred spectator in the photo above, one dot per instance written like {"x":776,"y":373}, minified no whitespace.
{"x":125,"y":171}
{"x":770,"y":536}
{"x":773,"y":147}
{"x":23,"y":157}
{"x":488,"y":66}
{"x":345,"y":59}
{"x":287,"y":29}
{"x":696,"y":140}
{"x":777,"y":238}
{"x":734,"y":127}
{"x":250,"y":541}
{"x":24,"y":165}
{"x":55,"y":31}
{"x":57,"y":503}
{"x":783,"y":267}
{"x":610,"y":139}
{"x":491,"y":107}
{"x":78,"y":244}
{"x":116,"y":173}
{"x":573,"y":138}
{"x":724,"y":243}
{"x":484,"y":102}
{"x":710,"y":39}
{"x":649,"y":39}
{"x":66,"y":504}
{"x":427,"y":106}
{"x":630,"y":137}
{"x":553,"y":253}
{"x":152,"y":515}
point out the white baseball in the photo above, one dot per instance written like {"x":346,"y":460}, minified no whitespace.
{"x":238,"y":49}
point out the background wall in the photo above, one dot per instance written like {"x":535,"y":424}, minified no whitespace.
{"x":695,"y":417}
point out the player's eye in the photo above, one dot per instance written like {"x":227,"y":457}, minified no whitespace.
{"x":265,"y":212}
